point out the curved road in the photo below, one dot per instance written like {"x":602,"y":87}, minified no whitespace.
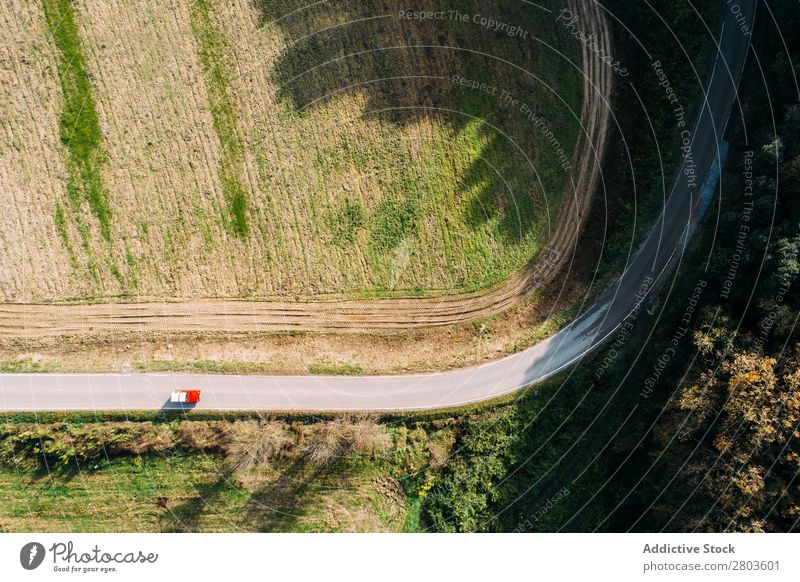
{"x":614,"y":312}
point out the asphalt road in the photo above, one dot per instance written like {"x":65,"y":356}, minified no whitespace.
{"x":614,"y":311}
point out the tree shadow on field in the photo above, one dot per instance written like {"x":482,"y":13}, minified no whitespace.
{"x":185,"y":518}
{"x":407,"y":71}
{"x":276,"y":506}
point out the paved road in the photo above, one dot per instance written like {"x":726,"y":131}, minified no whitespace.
{"x":650,"y":268}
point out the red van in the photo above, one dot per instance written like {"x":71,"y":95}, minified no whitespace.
{"x":185,"y":396}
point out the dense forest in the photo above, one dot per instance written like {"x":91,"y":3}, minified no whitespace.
{"x":729,"y":436}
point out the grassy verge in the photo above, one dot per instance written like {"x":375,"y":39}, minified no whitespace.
{"x":200,"y":366}
{"x":333,"y":369}
{"x":25,"y":365}
{"x":226,"y":367}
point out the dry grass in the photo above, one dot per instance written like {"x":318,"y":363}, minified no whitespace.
{"x":33,"y":261}
{"x":258,"y":444}
{"x":203,"y":127}
{"x":253,"y":444}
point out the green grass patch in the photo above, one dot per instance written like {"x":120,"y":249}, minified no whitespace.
{"x":60,"y":221}
{"x":330,"y":369}
{"x":345,"y":222}
{"x":212,"y":48}
{"x":184,"y":492}
{"x":122,"y":495}
{"x":394,"y":220}
{"x":25,"y":365}
{"x":79,"y":125}
{"x":204,"y":366}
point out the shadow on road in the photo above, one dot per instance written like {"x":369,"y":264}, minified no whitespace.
{"x":175,"y":408}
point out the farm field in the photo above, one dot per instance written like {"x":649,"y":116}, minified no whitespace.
{"x":123,"y":494}
{"x":204,"y":149}
{"x":235,"y":475}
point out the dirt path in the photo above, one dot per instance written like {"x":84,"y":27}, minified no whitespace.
{"x":52,"y":320}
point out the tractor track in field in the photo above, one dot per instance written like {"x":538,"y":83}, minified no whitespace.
{"x":19,"y":320}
